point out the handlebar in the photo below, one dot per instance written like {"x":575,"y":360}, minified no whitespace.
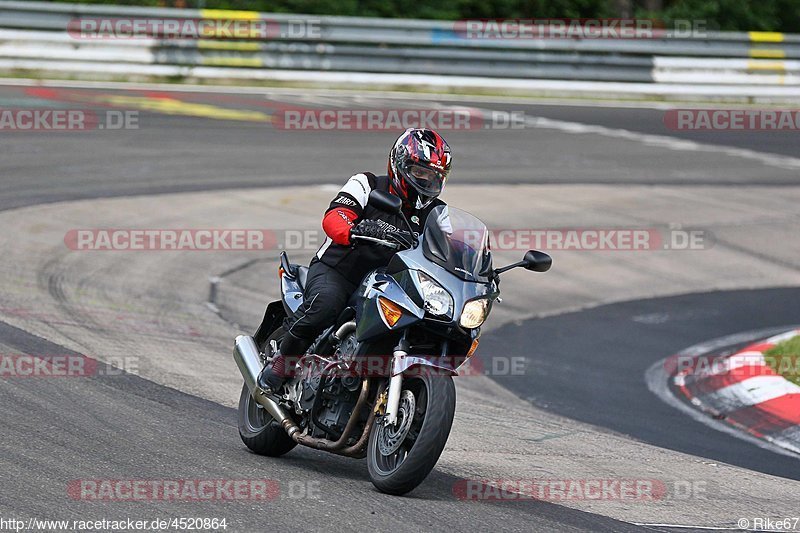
{"x":401,"y":240}
{"x":377,"y":241}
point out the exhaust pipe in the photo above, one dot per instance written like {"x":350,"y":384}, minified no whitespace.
{"x":248,"y":359}
{"x":344,"y":329}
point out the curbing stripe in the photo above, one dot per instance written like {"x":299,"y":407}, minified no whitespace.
{"x":660,"y":375}
{"x":717,"y":382}
{"x":786,"y":408}
{"x":723,"y":366}
{"x":759,"y":347}
{"x":749,"y":392}
{"x":745,"y":392}
{"x":782,"y":337}
{"x":774,"y":417}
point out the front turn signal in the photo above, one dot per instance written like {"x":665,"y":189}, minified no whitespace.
{"x":472,"y":348}
{"x":391,"y":311}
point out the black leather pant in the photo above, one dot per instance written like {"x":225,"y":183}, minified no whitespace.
{"x":325,"y":296}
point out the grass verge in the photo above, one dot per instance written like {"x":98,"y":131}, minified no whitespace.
{"x":784,"y":359}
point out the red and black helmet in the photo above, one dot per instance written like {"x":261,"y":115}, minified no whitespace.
{"x":419,"y":163}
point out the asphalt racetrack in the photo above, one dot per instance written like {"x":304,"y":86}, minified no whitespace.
{"x":617,"y":343}
{"x":587,"y":338}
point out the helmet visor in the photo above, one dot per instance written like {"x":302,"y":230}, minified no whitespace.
{"x":425,"y":180}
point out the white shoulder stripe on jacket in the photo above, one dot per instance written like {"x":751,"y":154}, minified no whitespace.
{"x":358,"y":187}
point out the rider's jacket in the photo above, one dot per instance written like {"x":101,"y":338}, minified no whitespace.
{"x":348,"y":207}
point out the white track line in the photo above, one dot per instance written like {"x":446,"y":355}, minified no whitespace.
{"x":704,"y":528}
{"x":664,"y":141}
{"x":661,"y":141}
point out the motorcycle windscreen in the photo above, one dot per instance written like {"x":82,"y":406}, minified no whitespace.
{"x":458,"y":242}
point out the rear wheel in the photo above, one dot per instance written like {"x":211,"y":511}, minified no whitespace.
{"x":401,"y":456}
{"x":258,"y":430}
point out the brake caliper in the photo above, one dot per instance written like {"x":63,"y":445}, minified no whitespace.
{"x":380,"y":404}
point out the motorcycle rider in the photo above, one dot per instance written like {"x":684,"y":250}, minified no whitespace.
{"x":419,"y":163}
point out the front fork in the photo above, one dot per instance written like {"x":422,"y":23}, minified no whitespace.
{"x":395,"y":383}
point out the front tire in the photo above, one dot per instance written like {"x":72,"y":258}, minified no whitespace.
{"x":258,"y":430}
{"x":410,"y":461}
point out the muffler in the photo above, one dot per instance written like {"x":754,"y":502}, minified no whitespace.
{"x":248,"y":359}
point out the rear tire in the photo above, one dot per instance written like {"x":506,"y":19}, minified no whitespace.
{"x":258,"y":430}
{"x":404,"y":470}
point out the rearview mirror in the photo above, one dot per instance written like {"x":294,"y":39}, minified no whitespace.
{"x":537,"y":261}
{"x":385,"y":201}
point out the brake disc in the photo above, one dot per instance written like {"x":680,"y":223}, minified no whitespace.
{"x":391,"y":437}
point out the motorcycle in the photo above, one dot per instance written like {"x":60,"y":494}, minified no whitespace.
{"x":378,"y":383}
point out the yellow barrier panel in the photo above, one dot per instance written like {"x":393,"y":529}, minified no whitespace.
{"x":767,"y":53}
{"x":228,"y":45}
{"x":233,"y":62}
{"x":766,"y":36}
{"x":228,"y":14}
{"x":774,"y":66}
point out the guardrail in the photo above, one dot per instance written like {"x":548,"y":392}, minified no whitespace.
{"x":41,"y":36}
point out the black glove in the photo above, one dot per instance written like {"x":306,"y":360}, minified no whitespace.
{"x":369,"y":228}
{"x":404,"y":237}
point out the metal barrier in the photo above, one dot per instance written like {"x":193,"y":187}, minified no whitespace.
{"x":36,"y":35}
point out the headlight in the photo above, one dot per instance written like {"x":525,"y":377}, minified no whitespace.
{"x":438,"y":301}
{"x":474,"y":313}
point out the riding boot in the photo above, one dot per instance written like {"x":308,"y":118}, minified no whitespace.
{"x":274,"y":375}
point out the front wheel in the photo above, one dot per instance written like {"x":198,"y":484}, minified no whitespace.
{"x":400,"y":457}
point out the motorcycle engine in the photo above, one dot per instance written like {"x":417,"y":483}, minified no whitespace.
{"x":338,"y":396}
{"x":337,"y":403}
